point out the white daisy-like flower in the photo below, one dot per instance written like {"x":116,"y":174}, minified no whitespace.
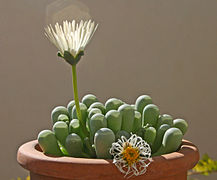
{"x":72,"y":37}
{"x":131,"y":156}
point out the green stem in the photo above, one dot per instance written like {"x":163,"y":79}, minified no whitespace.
{"x":74,"y":79}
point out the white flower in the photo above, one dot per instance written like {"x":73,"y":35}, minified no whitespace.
{"x":72,"y":37}
{"x":131,"y":156}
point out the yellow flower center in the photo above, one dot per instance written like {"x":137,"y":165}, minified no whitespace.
{"x":130,"y":154}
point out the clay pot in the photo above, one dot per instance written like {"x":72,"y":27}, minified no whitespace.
{"x":173,"y":166}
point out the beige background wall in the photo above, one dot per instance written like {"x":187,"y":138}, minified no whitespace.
{"x":164,"y":48}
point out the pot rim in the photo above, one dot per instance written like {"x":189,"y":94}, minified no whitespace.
{"x":31,"y":158}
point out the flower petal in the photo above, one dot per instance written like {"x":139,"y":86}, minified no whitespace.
{"x":71,"y":36}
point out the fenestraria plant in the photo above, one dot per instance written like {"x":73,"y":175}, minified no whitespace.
{"x":128,"y":134}
{"x":131,"y":156}
{"x":71,"y":38}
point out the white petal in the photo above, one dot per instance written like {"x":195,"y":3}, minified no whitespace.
{"x":71,"y":36}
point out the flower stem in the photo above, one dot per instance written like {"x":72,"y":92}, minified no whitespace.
{"x":78,"y":111}
{"x":74,"y":79}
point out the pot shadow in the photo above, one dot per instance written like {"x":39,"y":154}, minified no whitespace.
{"x":38,"y":148}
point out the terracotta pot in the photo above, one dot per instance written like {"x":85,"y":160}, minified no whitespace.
{"x":173,"y":166}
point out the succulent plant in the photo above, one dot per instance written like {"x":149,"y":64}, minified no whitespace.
{"x":159,"y":137}
{"x":74,"y":127}
{"x":103,"y":140}
{"x":150,"y":135}
{"x":181,"y":124}
{"x":164,"y":119}
{"x":114,"y":120}
{"x":48,"y":143}
{"x":137,"y":124}
{"x":74,"y":145}
{"x":89,"y":99}
{"x":83,"y":109}
{"x":97,"y":122}
{"x":61,"y":131}
{"x":141,"y":102}
{"x":171,"y":141}
{"x":150,"y":115}
{"x":106,"y":124}
{"x":70,"y":105}
{"x":113,"y":104}
{"x":128,"y":114}
{"x":58,"y":111}
{"x":91,"y":113}
{"x":98,"y":105}
{"x":122,"y":133}
{"x":64,"y":118}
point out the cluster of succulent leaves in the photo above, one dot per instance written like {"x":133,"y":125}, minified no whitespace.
{"x":108,"y":122}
